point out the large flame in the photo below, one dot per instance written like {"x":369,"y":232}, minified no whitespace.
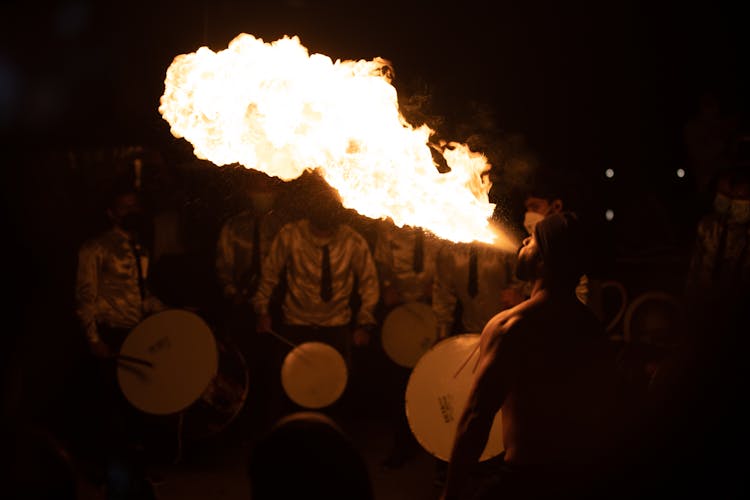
{"x":275,"y":108}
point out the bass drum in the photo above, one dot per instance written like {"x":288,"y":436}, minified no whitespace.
{"x":437,"y":392}
{"x":314,"y":375}
{"x":171,"y":363}
{"x":408,"y":332}
{"x":223,"y":399}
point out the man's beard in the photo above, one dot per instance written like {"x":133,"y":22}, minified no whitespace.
{"x":526,"y":269}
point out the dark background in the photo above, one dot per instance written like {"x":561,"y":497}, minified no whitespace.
{"x":587,"y":85}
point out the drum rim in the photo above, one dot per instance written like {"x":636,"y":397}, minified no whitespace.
{"x":229,"y":346}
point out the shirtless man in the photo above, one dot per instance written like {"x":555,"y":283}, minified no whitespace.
{"x":546,"y":362}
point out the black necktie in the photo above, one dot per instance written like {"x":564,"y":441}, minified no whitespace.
{"x":326,"y":288}
{"x":137,"y":255}
{"x":418,"y":251}
{"x":473,"y":287}
{"x":251,"y":277}
{"x":255,"y":262}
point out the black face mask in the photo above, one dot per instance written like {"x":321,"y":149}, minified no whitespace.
{"x":133,"y":223}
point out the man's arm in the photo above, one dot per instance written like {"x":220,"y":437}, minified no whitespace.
{"x":225,"y":262}
{"x":369,"y":290}
{"x":495,"y":376}
{"x":271,"y":273}
{"x":87,"y":285}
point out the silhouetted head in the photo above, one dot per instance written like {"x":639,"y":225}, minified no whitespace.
{"x":125,"y":209}
{"x":544,"y":197}
{"x":306,"y":455}
{"x":322,"y":205}
{"x":555,"y":252}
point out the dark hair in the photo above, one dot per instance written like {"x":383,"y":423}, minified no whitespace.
{"x":118,"y":190}
{"x":307,"y":456}
{"x":561,"y":239}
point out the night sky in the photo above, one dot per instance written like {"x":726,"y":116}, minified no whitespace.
{"x":588,"y":83}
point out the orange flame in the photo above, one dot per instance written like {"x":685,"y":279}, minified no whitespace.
{"x":275,"y":108}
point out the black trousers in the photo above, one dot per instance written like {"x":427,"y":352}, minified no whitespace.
{"x":279,"y":403}
{"x":128,"y":427}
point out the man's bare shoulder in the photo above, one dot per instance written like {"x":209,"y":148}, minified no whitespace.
{"x":508,"y":324}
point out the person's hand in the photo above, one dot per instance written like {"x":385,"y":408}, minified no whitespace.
{"x":100,"y":349}
{"x":361,"y":337}
{"x":263,"y":325}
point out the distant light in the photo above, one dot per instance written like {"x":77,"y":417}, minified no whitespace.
{"x":609,"y":173}
{"x":680,"y":173}
{"x":609,"y":214}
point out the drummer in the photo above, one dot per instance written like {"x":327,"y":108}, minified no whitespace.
{"x":112,"y":297}
{"x":478,"y":280}
{"x":546,"y":363}
{"x":320,"y":259}
{"x":405,"y":259}
{"x":478,"y":277}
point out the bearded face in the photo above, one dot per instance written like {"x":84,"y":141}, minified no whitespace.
{"x":529,"y":260}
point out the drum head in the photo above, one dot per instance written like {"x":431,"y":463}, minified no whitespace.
{"x":408,"y":332}
{"x":314,"y":375}
{"x":184,"y":355}
{"x":435,"y":397}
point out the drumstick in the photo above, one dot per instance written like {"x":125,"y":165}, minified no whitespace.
{"x":125,"y":357}
{"x":467,"y":360}
{"x":284,"y":340}
{"x":287,"y":342}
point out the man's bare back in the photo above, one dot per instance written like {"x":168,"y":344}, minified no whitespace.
{"x":547,"y":364}
{"x":555,"y":363}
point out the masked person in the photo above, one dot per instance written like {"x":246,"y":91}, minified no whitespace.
{"x":245,"y":238}
{"x":244,"y":243}
{"x":112,"y":293}
{"x":720,"y":261}
{"x":547,"y":365}
{"x":320,"y":259}
{"x":478,"y":277}
{"x":112,"y":297}
{"x":405,"y":258}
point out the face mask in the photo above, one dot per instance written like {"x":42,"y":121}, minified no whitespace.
{"x":739,"y":211}
{"x":262,"y":202}
{"x":133,"y":223}
{"x":721,"y":203}
{"x":530,"y":220}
